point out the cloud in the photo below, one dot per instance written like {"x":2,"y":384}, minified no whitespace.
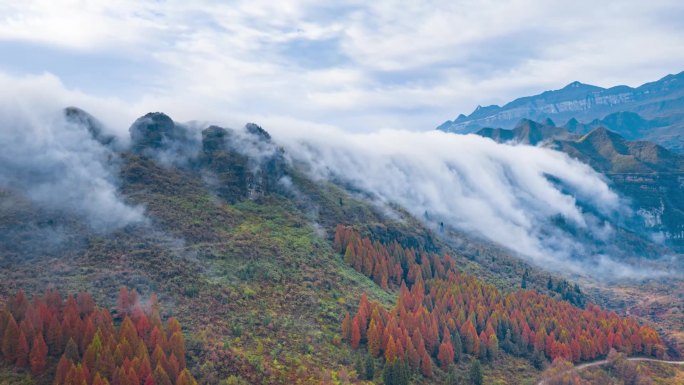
{"x":548,"y":208}
{"x":357,"y":65}
{"x":307,"y":67}
{"x":514,"y":196}
{"x":53,"y":162}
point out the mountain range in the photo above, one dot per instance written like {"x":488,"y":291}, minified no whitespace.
{"x":650,"y":175}
{"x":281,"y":276}
{"x":653,"y":111}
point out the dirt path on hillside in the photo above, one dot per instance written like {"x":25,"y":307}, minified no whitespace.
{"x":603,"y":362}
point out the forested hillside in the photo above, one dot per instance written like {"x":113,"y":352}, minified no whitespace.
{"x":442,"y":313}
{"x":87,"y":347}
{"x":243,"y":246}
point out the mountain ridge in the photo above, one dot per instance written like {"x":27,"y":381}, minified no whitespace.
{"x":649,"y":174}
{"x":660,"y":102}
{"x":238,"y":240}
{"x":245,"y":262}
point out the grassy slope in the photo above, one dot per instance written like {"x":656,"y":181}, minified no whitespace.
{"x":9,"y":377}
{"x":256,"y":284}
{"x":658,"y":373}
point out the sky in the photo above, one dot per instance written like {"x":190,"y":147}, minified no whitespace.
{"x":355,"y":65}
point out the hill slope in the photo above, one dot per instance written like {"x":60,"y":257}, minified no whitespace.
{"x":237,"y":241}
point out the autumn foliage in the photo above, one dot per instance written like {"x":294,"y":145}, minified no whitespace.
{"x":440,"y":308}
{"x":87,"y":346}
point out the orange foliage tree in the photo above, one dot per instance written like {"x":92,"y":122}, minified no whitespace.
{"x":89,"y":348}
{"x":437,"y":303}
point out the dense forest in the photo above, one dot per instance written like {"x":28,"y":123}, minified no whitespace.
{"x":442,"y":314}
{"x":87,"y":347}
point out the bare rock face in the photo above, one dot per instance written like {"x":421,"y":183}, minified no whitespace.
{"x":255,"y":129}
{"x":225,"y":170}
{"x":77,"y":116}
{"x":241,"y":165}
{"x":214,"y":139}
{"x":157,"y":136}
{"x":154,"y":130}
{"x":267,"y":162}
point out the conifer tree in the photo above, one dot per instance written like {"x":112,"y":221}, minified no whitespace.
{"x":38,"y":355}
{"x":71,"y":351}
{"x":426,"y":365}
{"x":475,"y":372}
{"x":10,"y":341}
{"x":161,"y":377}
{"x":62,"y":370}
{"x":390,"y":351}
{"x":369,"y":368}
{"x":346,"y":327}
{"x":22,"y":351}
{"x":446,"y":353}
{"x":177,"y":347}
{"x":373,"y":339}
{"x":458,"y":347}
{"x":54,"y":337}
{"x":355,"y":333}
{"x":185,"y":378}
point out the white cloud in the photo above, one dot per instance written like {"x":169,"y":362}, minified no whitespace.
{"x":302,"y":68}
{"x":56,"y":163}
{"x":357,"y":65}
{"x":498,"y":192}
{"x":77,"y":24}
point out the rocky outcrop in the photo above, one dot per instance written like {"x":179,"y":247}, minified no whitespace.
{"x":77,"y":116}
{"x":256,"y":130}
{"x":526,"y":132}
{"x":155,"y":130}
{"x":225,"y":170}
{"x":157,"y":136}
{"x":241,"y":165}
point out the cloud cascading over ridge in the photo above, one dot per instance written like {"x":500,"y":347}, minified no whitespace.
{"x":510,"y":195}
{"x":54,"y":162}
{"x":360,"y":66}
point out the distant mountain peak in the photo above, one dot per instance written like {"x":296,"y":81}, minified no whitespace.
{"x":574,"y":84}
{"x":528,"y":124}
{"x":600,"y":132}
{"x":151,"y":130}
{"x":527,"y":131}
{"x":658,"y":104}
{"x":601,"y":147}
{"x":602,"y":135}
